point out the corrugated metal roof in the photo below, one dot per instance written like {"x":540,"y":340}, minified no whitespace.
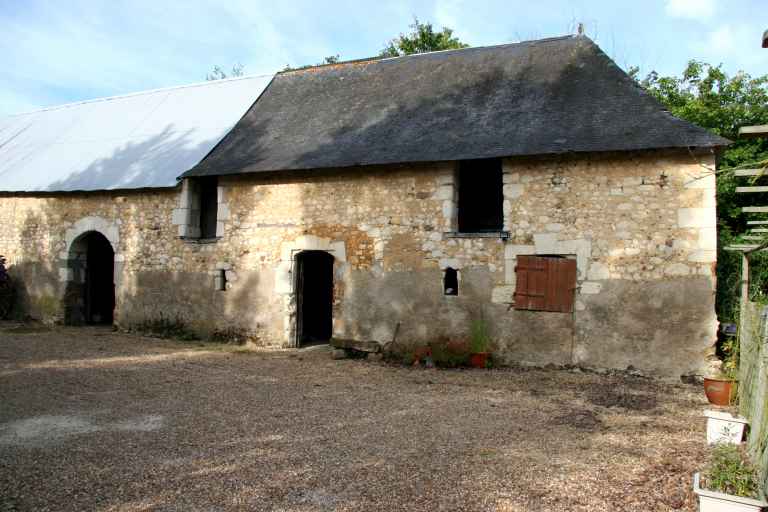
{"x":138,"y":140}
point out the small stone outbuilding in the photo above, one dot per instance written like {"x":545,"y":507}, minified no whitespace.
{"x":533,"y":184}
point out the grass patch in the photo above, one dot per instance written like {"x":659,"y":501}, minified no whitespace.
{"x":730,"y":471}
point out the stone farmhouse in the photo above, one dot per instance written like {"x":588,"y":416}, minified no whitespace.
{"x":533,"y":184}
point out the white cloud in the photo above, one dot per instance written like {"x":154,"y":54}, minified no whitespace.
{"x":722,"y":41}
{"x":447,"y":13}
{"x":691,"y":9}
{"x":735,"y":45}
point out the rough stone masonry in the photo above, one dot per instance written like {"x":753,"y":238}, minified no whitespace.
{"x":640,"y":225}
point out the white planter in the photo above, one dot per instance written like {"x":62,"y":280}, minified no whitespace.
{"x":724,"y":428}
{"x":711,"y":501}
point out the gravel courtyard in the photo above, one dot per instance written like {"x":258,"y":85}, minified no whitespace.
{"x":96,"y":420}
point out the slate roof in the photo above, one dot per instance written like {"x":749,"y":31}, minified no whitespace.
{"x":125,"y":142}
{"x":534,"y":98}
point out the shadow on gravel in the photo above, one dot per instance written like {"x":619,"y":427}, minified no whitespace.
{"x":615,"y":397}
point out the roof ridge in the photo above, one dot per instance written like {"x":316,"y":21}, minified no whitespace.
{"x":137,"y":93}
{"x":487,"y":47}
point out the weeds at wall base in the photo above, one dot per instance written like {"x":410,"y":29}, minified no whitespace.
{"x":167,"y":328}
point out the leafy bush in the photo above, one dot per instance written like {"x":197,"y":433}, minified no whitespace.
{"x":450,"y":353}
{"x":730,"y":471}
{"x":411,"y":354}
{"x":730,"y":350}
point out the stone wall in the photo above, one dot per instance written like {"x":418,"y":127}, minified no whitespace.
{"x":641,"y":227}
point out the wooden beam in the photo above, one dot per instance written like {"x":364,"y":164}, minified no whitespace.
{"x":755,"y":209}
{"x":757,"y":222}
{"x":360,"y":346}
{"x":750,"y":172}
{"x":741,"y":247}
{"x":753,"y":237}
{"x":761,"y":230}
{"x":754,"y":131}
{"x":742,"y":190}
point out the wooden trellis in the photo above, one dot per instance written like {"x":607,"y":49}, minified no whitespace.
{"x":757,"y":235}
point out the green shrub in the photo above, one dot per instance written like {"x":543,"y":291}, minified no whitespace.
{"x":450,"y":353}
{"x":730,"y":471}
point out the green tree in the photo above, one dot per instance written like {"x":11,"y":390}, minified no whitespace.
{"x":218,"y":73}
{"x":705,"y":95}
{"x":422,"y":39}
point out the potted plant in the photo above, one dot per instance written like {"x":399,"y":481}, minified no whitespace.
{"x":420,"y":354}
{"x":729,"y":483}
{"x":722,"y":427}
{"x":479,"y":341}
{"x":720,"y":389}
{"x":721,"y":385}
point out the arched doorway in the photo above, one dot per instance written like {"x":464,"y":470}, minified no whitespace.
{"x":314,"y":297}
{"x":90,"y":294}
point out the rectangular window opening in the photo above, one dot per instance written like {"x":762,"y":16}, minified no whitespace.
{"x":220,"y":280}
{"x":481,"y":196}
{"x":209,"y":205}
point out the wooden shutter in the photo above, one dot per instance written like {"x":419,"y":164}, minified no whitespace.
{"x":545,"y":283}
{"x":561,"y":281}
{"x":531,"y":288}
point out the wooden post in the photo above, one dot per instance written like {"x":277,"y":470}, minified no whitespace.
{"x":744,"y":286}
{"x":744,"y":297}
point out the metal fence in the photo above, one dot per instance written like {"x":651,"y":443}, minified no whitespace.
{"x":753,"y":382}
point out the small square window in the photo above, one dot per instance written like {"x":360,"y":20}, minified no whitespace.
{"x":220,"y":280}
{"x":451,"y":282}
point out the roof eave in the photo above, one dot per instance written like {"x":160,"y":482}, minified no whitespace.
{"x":200,"y":171}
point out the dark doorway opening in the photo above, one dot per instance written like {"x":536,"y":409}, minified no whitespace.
{"x":90,"y":294}
{"x":314,"y":297}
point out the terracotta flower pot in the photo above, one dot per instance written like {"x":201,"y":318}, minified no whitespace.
{"x":478,"y":359}
{"x":719,"y":391}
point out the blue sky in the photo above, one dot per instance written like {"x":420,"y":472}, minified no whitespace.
{"x":62,"y":51}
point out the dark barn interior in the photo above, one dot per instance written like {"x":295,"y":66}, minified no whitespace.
{"x":99,"y":280}
{"x":481,"y":196}
{"x":314,"y":288}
